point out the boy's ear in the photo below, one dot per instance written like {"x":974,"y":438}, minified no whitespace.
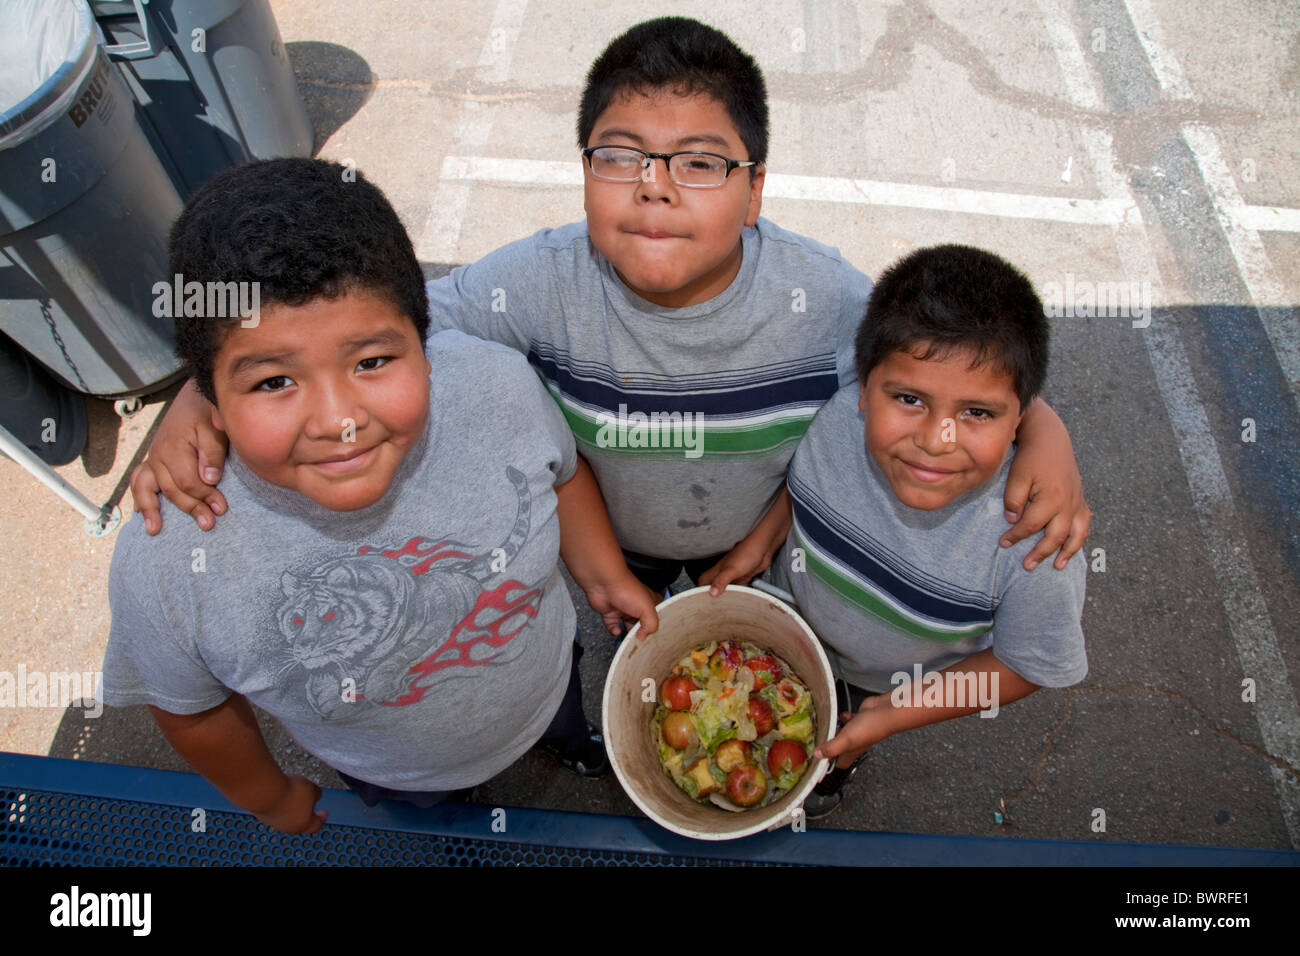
{"x":862,"y":395}
{"x":218,"y":422}
{"x":755,"y":194}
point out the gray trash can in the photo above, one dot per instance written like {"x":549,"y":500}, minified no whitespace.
{"x":211,"y":79}
{"x":85,"y":207}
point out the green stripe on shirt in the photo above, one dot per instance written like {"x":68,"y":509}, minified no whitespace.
{"x":734,"y":441}
{"x":852,"y":591}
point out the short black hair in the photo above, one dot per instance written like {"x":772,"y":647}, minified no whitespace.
{"x":937,"y":300}
{"x":301,"y":229}
{"x":686,"y":57}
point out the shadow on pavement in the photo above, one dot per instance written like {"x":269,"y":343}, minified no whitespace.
{"x":334,"y":83}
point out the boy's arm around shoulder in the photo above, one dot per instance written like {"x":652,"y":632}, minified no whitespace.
{"x":184,"y":464}
{"x":1045,"y":476}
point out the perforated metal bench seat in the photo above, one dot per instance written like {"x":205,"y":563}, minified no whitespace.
{"x":72,"y":812}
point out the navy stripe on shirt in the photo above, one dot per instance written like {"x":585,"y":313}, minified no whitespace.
{"x":815,"y":523}
{"x":808,"y":382}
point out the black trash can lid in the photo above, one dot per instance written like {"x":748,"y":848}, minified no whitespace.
{"x":46,"y":49}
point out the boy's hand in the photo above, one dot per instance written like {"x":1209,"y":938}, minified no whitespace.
{"x":295,"y":811}
{"x":859,"y":732}
{"x":1059,"y":510}
{"x":740,"y":565}
{"x":756,"y":551}
{"x":625,"y":602}
{"x":1045,"y":477}
{"x":184,"y":464}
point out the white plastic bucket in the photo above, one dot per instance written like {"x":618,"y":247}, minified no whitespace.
{"x":687,"y":621}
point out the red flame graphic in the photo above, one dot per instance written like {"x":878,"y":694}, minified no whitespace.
{"x":499,"y":609}
{"x":412,"y":549}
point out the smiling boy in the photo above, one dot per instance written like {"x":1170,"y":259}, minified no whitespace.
{"x":674,"y":303}
{"x":298,"y":425}
{"x":897,"y":491}
{"x":386,"y":584}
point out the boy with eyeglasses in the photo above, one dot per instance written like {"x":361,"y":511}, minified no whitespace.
{"x":688,"y":341}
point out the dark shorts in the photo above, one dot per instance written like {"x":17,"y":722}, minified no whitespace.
{"x":569,"y":723}
{"x":850,"y":696}
{"x":658,"y":573}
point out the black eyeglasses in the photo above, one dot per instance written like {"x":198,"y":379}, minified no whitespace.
{"x":695,"y":170}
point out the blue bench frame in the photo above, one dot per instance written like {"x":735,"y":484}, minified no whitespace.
{"x":55,"y":811}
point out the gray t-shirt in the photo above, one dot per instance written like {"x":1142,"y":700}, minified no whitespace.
{"x":688,"y":416}
{"x":422,"y":643}
{"x":887,"y":587}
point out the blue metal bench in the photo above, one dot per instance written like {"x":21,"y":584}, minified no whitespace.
{"x":73,"y":812}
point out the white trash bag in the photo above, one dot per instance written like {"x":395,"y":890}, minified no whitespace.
{"x":41,"y":43}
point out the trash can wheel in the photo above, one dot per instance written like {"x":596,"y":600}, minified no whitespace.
{"x":126,"y":407}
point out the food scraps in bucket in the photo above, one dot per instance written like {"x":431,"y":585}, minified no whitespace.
{"x":734,"y":726}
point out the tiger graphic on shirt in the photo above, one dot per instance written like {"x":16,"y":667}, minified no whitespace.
{"x":384,"y":626}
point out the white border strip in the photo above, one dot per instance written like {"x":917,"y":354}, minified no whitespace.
{"x":1088,"y":212}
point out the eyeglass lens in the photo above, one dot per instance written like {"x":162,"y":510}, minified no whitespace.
{"x":685,"y":169}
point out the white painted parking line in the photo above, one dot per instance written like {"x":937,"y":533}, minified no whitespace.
{"x":870,"y":192}
{"x":1266,"y":291}
{"x":1089,"y":212}
{"x":1092,"y":212}
{"x":1267,"y":218}
{"x":1228,"y":550}
{"x":441,"y":235}
{"x":1152,"y":37}
{"x":536,"y":172}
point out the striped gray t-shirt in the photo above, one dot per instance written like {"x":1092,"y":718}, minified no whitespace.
{"x":887,"y":587}
{"x":688,"y":416}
